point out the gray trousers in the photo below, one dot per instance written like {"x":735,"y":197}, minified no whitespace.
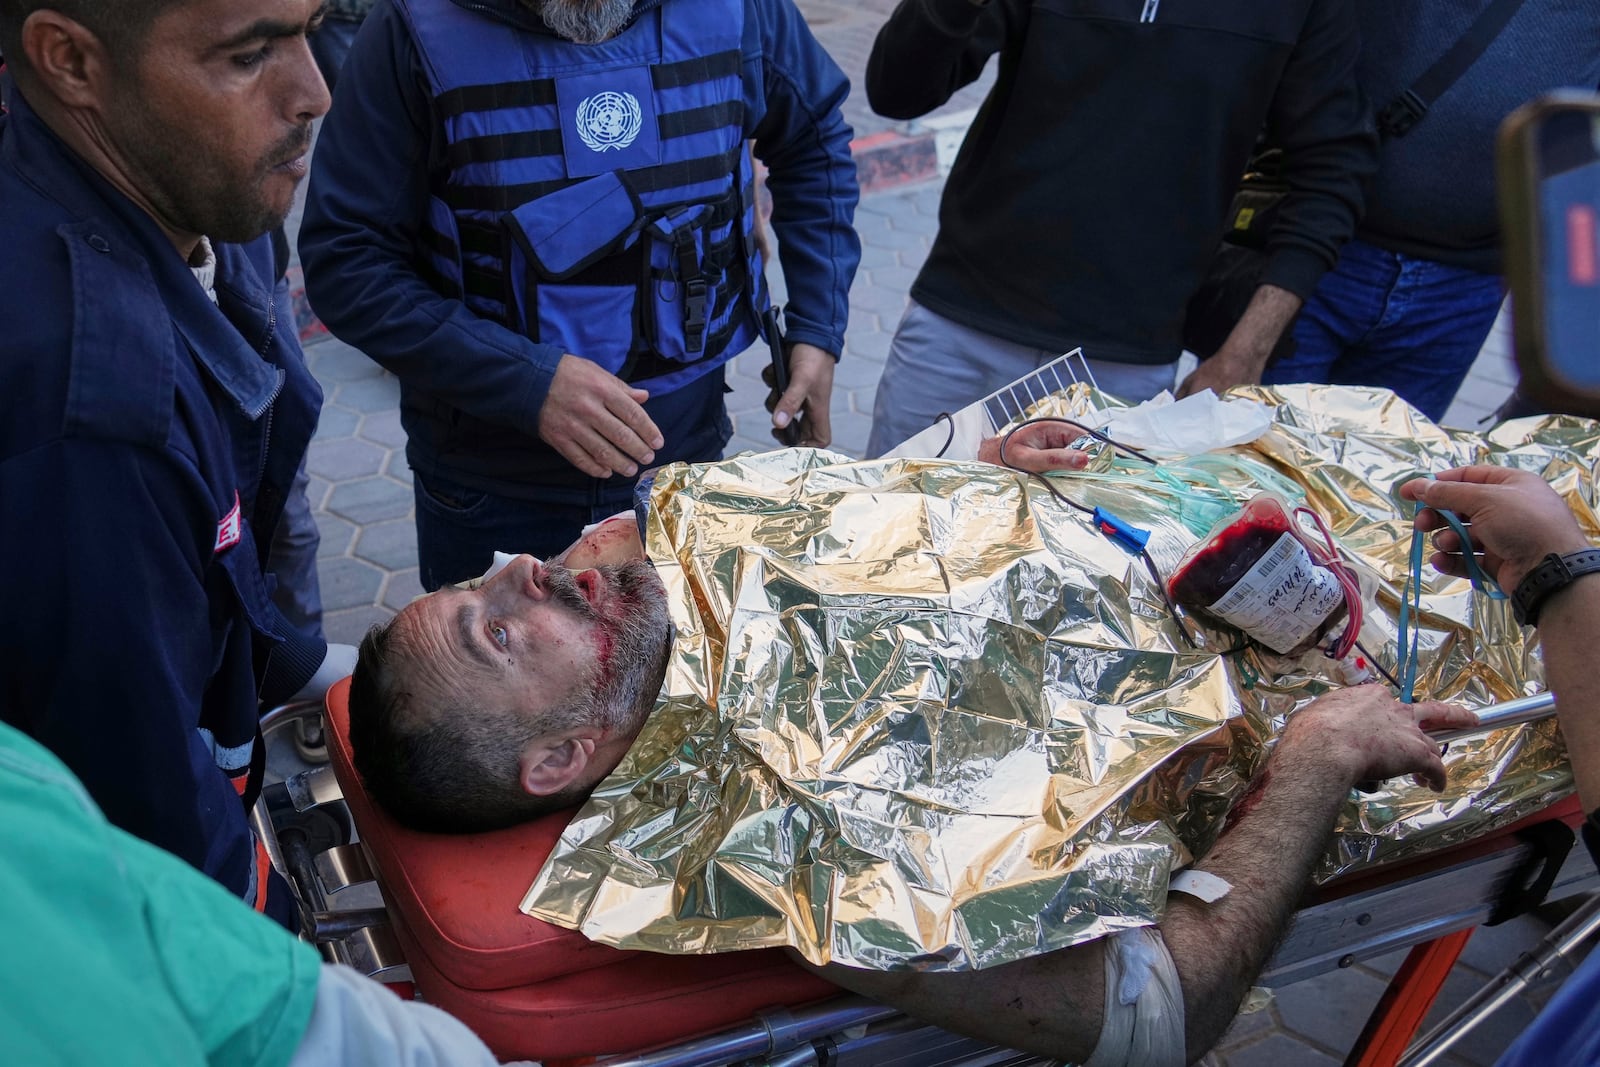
{"x":936,"y":366}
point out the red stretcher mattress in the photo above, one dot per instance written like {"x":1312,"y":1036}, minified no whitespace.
{"x":529,"y":989}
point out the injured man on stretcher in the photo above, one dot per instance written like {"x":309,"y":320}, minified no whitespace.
{"x":479,"y":708}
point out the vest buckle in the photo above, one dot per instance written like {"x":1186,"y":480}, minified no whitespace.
{"x":694,"y":314}
{"x":694,"y":292}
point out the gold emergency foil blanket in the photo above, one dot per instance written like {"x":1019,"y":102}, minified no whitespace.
{"x":920,"y":713}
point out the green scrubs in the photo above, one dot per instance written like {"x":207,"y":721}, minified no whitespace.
{"x":112,"y":951}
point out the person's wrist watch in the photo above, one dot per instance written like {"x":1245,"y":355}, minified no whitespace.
{"x":1554,"y":572}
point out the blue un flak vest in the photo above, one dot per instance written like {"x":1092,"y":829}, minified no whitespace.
{"x":597,"y":197}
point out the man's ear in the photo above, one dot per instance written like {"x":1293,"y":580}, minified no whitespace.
{"x":557,"y":762}
{"x":66,"y":58}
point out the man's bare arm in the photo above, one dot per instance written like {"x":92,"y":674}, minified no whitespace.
{"x":1052,"y":1005}
{"x":1243,"y":356}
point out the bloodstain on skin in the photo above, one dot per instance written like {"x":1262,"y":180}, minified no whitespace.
{"x":1251,"y":798}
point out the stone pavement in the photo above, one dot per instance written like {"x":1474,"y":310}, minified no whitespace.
{"x":361,"y":492}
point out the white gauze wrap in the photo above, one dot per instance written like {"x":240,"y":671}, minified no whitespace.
{"x":1143,"y":1024}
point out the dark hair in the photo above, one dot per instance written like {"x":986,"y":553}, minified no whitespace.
{"x":120,"y":24}
{"x":450,"y":769}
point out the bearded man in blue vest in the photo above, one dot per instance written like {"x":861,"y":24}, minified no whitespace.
{"x":539,"y":214}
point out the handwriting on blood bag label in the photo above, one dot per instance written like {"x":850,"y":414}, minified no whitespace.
{"x":1283,"y":598}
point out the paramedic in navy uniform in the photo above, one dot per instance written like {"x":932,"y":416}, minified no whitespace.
{"x":156,"y":403}
{"x":538,"y":214}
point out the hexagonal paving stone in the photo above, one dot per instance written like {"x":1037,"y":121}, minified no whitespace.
{"x":404,"y":587}
{"x":398,"y":467}
{"x":1244,"y":1028}
{"x":391,"y":545}
{"x":926,"y":199}
{"x":349,"y":627}
{"x":901,"y":240}
{"x":342,"y":458}
{"x":1279,"y":1050}
{"x":384,"y":428}
{"x":335,"y":421}
{"x":869,"y":341}
{"x":335,"y":361}
{"x":850,"y":436}
{"x":348,"y":583}
{"x":371,"y":500}
{"x":336,"y":535}
{"x":1494,"y":1034}
{"x":747,"y":396}
{"x":857,"y":371}
{"x":370,"y":394}
{"x":909,"y":220}
{"x":1330,"y":1008}
{"x":896,"y":278}
{"x":887,"y":304}
{"x":862,"y":401}
{"x":741,"y":443}
{"x":316,"y":491}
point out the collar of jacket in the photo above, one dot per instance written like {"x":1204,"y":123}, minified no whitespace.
{"x":229,"y":342}
{"x":519,"y":14}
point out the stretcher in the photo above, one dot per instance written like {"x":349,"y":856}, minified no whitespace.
{"x":436,"y":917}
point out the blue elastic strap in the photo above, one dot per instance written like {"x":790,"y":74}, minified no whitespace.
{"x":1411,"y":597}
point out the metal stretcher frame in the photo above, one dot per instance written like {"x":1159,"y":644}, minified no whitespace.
{"x":313,"y":842}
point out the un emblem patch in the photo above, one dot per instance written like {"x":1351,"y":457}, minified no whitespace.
{"x":609,"y":120}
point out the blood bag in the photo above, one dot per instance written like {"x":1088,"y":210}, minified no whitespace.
{"x":1258,"y":572}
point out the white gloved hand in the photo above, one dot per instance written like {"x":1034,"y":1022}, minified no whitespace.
{"x":339,"y":663}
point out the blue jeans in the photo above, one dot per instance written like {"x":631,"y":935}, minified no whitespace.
{"x":459,"y":529}
{"x":1384,"y":319}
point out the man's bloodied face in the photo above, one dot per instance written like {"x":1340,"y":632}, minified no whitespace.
{"x":212,"y":118}
{"x":588,"y":646}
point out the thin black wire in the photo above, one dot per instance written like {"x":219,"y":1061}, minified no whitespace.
{"x":1374,"y":661}
{"x":1144,"y":553}
{"x":948,"y":441}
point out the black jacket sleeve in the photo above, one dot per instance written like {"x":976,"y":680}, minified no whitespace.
{"x":930,"y":49}
{"x":1323,"y":123}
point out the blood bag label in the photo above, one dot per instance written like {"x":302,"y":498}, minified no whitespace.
{"x":1282,"y":599}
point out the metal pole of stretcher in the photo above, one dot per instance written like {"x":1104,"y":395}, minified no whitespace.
{"x":1413,"y":989}
{"x":1532,"y":965}
{"x":1559,"y":943}
{"x":1511,"y":713}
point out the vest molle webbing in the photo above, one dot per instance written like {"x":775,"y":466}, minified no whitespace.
{"x":597,"y":197}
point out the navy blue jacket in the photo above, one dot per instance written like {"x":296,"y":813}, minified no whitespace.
{"x":1434,"y":193}
{"x":376,"y":159}
{"x":149,"y":438}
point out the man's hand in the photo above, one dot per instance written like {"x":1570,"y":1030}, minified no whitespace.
{"x":594,"y":419}
{"x":1243,"y":356}
{"x":1039,"y":448}
{"x":808,"y":398}
{"x":1516,"y":520}
{"x":1223,"y":371}
{"x":1369,"y":735}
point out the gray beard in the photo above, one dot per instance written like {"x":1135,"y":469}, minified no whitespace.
{"x":585,"y":21}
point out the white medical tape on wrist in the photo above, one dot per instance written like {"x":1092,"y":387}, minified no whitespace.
{"x":1143,"y":1025}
